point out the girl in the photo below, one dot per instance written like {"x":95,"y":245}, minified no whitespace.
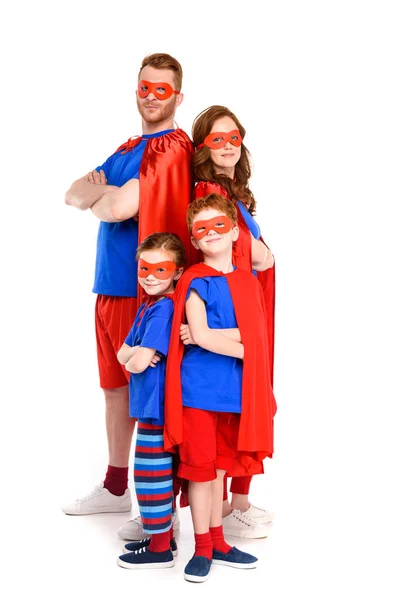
{"x":161,"y":258}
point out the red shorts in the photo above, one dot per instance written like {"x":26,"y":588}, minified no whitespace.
{"x":209,"y":443}
{"x":114,"y":319}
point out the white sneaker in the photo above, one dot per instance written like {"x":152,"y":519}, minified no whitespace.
{"x":259,"y":515}
{"x":100,"y":500}
{"x":133,"y":530}
{"x":238,"y":525}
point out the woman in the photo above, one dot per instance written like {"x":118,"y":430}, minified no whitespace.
{"x":221,"y":165}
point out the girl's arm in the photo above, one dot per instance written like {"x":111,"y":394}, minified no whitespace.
{"x":140,"y":360}
{"x":209,"y":339}
{"x":126,"y":352}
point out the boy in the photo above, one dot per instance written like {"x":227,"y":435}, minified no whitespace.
{"x":219,"y":401}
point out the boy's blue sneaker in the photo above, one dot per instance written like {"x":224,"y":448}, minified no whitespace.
{"x":144,"y":559}
{"x":132,"y":546}
{"x":197,"y":569}
{"x":235,"y":558}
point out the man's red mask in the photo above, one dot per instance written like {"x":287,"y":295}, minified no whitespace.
{"x":161,"y":270}
{"x":220,"y":224}
{"x":218,"y":139}
{"x":161,"y":89}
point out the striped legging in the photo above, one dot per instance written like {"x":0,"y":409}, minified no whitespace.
{"x":153,"y":478}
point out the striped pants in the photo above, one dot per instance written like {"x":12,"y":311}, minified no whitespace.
{"x":153,"y":479}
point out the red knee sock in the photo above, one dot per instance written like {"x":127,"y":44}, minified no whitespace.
{"x":171,"y":533}
{"x":116,"y":480}
{"x":160,"y":542}
{"x":218,"y":540}
{"x":204,"y":546}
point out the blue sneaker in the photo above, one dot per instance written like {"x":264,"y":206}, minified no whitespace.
{"x":197,"y":569}
{"x":132,"y":546}
{"x":235,"y":558}
{"x":145,"y":559}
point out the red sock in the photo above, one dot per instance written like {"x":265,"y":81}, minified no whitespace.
{"x":218,"y":540}
{"x":159,"y":542}
{"x":204,"y":546}
{"x":116,"y":481}
{"x":171,"y":533}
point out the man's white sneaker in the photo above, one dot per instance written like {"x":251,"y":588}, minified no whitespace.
{"x":259,"y":515}
{"x":133,"y":530}
{"x":238,"y":525}
{"x":100,"y":500}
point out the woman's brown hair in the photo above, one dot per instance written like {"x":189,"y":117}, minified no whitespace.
{"x":203,"y":167}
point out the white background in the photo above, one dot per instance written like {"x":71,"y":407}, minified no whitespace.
{"x":316,"y":85}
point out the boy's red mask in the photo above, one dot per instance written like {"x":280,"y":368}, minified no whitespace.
{"x":218,"y":139}
{"x":167,"y":267}
{"x":161,"y":89}
{"x":220,"y":224}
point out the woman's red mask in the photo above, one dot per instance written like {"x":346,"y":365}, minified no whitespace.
{"x":161,"y":90}
{"x":161,"y":270}
{"x":218,"y":139}
{"x":220,"y":224}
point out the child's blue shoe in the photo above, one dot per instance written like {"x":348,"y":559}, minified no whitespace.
{"x":197,"y":569}
{"x":145,"y":559}
{"x":132,"y":546}
{"x":235,"y":558}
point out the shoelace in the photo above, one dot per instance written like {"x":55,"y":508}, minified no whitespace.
{"x":242,"y":518}
{"x":97,"y":489}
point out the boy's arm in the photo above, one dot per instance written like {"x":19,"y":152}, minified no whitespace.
{"x":186,"y":336}
{"x":140,"y":360}
{"x":261,"y":256}
{"x":87,"y":190}
{"x":209,"y":339}
{"x":125,"y":353}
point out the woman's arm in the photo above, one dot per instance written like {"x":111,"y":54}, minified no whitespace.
{"x":209,"y":339}
{"x":261,"y":256}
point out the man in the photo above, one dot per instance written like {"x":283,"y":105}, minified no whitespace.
{"x":144,"y":187}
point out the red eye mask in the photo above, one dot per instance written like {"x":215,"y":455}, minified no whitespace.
{"x":220,"y":224}
{"x":218,"y":139}
{"x":167,"y":267}
{"x":161,"y":90}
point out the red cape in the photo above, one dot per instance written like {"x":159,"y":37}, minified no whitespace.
{"x":165,"y":188}
{"x":255,"y":440}
{"x":242,"y":258}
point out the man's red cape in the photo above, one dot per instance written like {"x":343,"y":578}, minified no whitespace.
{"x":242,"y":258}
{"x":255,"y":440}
{"x":165,"y":189}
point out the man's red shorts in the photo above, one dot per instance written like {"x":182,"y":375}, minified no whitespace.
{"x":209,"y":443}
{"x":114,"y":319}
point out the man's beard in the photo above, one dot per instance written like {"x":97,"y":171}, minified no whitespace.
{"x":163,"y":112}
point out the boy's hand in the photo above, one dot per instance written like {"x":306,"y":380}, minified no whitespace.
{"x":156,"y":358}
{"x":186,"y":336}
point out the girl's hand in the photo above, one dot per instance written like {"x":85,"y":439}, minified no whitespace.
{"x":156,"y":359}
{"x":186,"y":336}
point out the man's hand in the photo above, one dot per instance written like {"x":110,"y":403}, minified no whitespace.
{"x":186,"y":336}
{"x":96,"y":177}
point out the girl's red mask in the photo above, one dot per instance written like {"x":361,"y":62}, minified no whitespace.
{"x":162,"y":270}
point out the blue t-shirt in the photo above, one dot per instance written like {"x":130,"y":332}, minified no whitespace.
{"x":213,"y":381}
{"x":146,"y":390}
{"x":250,"y":221}
{"x":116,"y":265}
